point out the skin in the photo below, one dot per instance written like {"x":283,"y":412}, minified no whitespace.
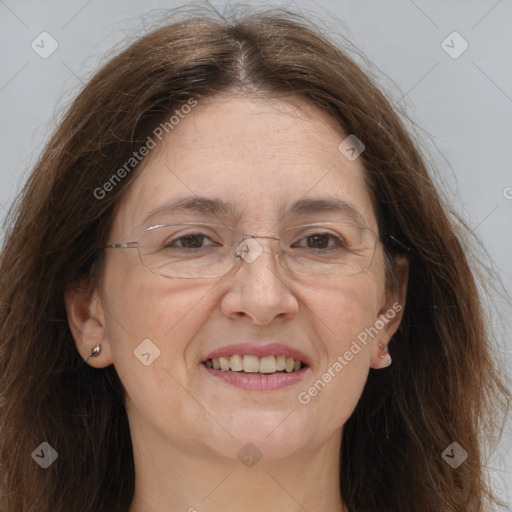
{"x":186,"y":426}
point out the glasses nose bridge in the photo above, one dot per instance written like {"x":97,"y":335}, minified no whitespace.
{"x":274,"y":237}
{"x":241,"y":247}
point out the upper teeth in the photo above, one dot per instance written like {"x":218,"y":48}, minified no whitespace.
{"x":254,"y":364}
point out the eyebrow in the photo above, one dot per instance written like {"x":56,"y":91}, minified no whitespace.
{"x":320,"y":205}
{"x":198,"y":204}
{"x":218,"y":207}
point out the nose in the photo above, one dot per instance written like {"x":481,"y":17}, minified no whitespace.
{"x":259,"y":290}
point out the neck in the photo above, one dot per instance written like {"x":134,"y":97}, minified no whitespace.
{"x":178,"y":480}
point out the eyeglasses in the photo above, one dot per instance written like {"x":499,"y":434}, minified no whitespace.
{"x":199,"y":251}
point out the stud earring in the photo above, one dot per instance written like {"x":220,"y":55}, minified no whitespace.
{"x":95,"y":352}
{"x":386,"y":357}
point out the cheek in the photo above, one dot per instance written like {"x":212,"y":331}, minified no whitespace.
{"x":142,"y":306}
{"x":148,"y":314}
{"x":345,"y":311}
{"x":344,"y":317}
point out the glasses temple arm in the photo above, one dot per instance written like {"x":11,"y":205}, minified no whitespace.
{"x":126,"y":245}
{"x":392,"y":241}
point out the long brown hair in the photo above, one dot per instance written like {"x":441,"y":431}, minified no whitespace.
{"x":443,"y":385}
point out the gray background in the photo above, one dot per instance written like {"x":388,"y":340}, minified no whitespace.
{"x":462,"y":105}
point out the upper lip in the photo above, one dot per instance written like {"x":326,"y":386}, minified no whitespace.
{"x":260,"y":350}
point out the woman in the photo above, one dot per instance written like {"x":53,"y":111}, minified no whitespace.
{"x":230,"y":284}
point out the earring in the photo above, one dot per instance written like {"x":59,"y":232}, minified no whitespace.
{"x":387,"y":357}
{"x":95,"y":352}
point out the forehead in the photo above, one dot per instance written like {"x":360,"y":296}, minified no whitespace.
{"x":256,"y":159}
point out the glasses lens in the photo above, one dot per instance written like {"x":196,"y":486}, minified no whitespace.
{"x":187,"y":250}
{"x":329,"y":249}
{"x":190,"y":250}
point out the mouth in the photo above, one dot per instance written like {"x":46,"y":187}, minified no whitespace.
{"x":252,"y":364}
{"x":256,"y":366}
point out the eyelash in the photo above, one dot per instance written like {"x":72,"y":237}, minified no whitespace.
{"x":339,"y":242}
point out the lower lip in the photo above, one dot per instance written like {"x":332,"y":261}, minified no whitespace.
{"x":258,"y":382}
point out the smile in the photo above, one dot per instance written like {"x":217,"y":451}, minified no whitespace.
{"x":266,"y":365}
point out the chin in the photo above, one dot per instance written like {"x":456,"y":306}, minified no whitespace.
{"x":276,"y":435}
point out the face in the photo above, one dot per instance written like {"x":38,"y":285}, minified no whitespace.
{"x":260,"y":156}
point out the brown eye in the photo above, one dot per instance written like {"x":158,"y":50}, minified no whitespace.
{"x":321,"y":241}
{"x":193,"y":241}
{"x":317,"y":241}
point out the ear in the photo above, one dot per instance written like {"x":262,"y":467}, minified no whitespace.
{"x":86,"y":321}
{"x":389,"y":316}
